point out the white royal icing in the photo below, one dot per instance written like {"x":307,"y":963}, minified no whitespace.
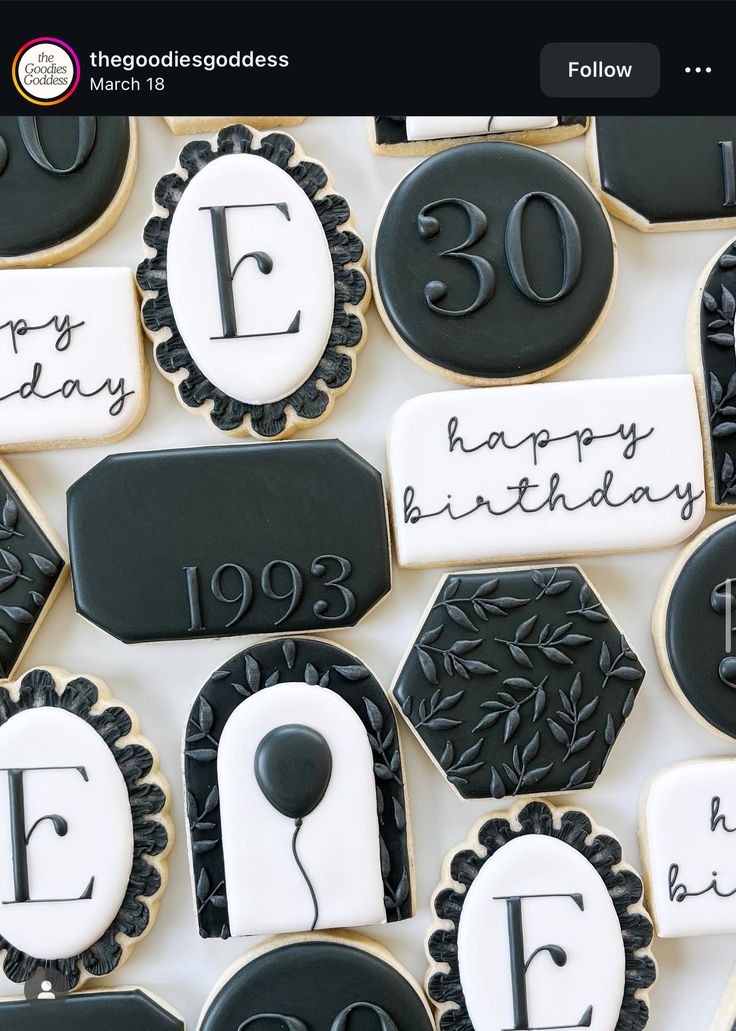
{"x":689,"y":829}
{"x":594,"y":969}
{"x":71,"y":361}
{"x":98,"y":842}
{"x":339,"y":841}
{"x":263,"y":363}
{"x":648,"y":446}
{"x":440,"y":127}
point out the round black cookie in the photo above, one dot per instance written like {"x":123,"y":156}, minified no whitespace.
{"x":58,"y":176}
{"x":313,"y":981}
{"x":693,"y":620}
{"x":493,"y":262}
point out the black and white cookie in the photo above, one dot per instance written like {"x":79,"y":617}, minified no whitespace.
{"x":84,"y":830}
{"x":661,"y":173}
{"x":227,"y":541}
{"x":296,"y":803}
{"x":688,"y":848}
{"x":71,"y":350}
{"x":517,"y":681}
{"x":183,"y":125}
{"x":712,"y":359}
{"x":693,"y":627}
{"x":539,"y":923}
{"x":33,"y":570}
{"x":493,"y":263}
{"x":115,"y":1009}
{"x":317,"y":982}
{"x":545,"y":470}
{"x":64,"y":181}
{"x":254,"y":289}
{"x":420,"y":135}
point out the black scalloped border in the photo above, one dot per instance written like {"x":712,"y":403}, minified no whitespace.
{"x":335,"y":367}
{"x":602,"y":852}
{"x":150,"y":838}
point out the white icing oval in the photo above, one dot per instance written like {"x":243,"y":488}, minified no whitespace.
{"x":338,"y":843}
{"x":98,"y":842}
{"x":255,"y":369}
{"x":594,"y":973}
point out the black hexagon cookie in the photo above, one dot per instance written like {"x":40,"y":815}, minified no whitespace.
{"x":518,"y":681}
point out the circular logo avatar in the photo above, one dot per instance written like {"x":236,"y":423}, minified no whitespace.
{"x":46,"y":71}
{"x":46,"y":987}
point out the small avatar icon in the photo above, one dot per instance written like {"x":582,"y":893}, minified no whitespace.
{"x":46,"y":987}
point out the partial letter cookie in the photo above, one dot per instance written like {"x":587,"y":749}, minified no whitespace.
{"x":227,"y":541}
{"x":314,"y":981}
{"x":421,"y":135}
{"x":84,"y":831}
{"x":662,"y":173}
{"x":64,"y":182}
{"x":546,"y":470}
{"x":71,"y":350}
{"x":518,"y":681}
{"x":538,"y":923}
{"x":296,"y":802}
{"x":688,"y":844}
{"x":693,"y":628}
{"x":253,"y":287}
{"x":493,"y":263}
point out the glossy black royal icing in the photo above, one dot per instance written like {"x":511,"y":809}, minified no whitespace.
{"x":335,"y":367}
{"x":80,"y":696}
{"x":602,"y":851}
{"x":494,"y":311}
{"x":668,"y":168}
{"x":221,"y":541}
{"x":45,"y":203}
{"x":117,"y":1010}
{"x":30,"y":568}
{"x":286,"y":660}
{"x":318,"y":984}
{"x":518,"y":682}
{"x":698,"y":623}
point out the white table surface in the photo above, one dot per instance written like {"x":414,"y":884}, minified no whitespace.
{"x":644,"y":334}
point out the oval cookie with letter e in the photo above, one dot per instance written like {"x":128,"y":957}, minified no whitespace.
{"x":254,"y":286}
{"x":546,"y":470}
{"x":538,"y":923}
{"x":84,"y":831}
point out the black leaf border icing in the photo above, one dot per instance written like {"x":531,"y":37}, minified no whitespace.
{"x":148,"y":793}
{"x":254,"y":669}
{"x":335,"y":368}
{"x":602,"y":851}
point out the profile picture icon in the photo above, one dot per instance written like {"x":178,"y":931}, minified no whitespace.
{"x":46,"y":987}
{"x":46,"y":71}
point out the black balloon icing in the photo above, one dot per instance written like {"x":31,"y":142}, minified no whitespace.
{"x":334,"y":368}
{"x":602,"y":852}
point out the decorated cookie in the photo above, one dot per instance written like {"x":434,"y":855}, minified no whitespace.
{"x":493,"y":263}
{"x":73,"y":368}
{"x":693,"y":627}
{"x":661,"y":173}
{"x":688,"y":823}
{"x":33,"y":569}
{"x":539,"y":924}
{"x":295,"y":794}
{"x":517,"y":681}
{"x":229,"y":541}
{"x":426,"y":134}
{"x":116,"y":1009}
{"x":84,"y":831}
{"x":254,"y":286}
{"x":712,"y":360}
{"x":64,"y":183}
{"x":538,"y":471}
{"x":725,"y":1018}
{"x":317,"y":982}
{"x":183,"y":125}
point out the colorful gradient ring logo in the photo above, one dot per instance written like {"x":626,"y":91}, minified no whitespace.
{"x":46,"y":71}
